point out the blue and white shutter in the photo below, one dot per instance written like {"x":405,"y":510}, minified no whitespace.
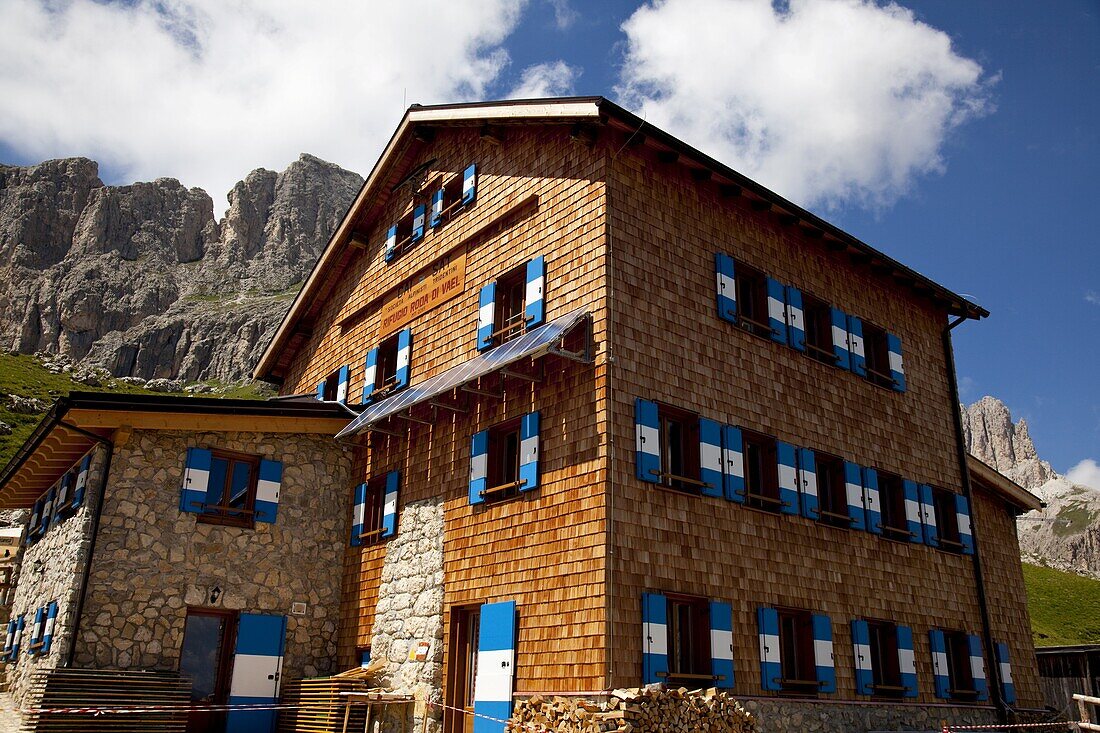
{"x":496,"y":658}
{"x":37,"y":628}
{"x":654,"y":638}
{"x":733,"y":464}
{"x":257,"y":667}
{"x":796,"y":321}
{"x":855,"y":346}
{"x":940,"y":673}
{"x":389,"y":504}
{"x":871,"y":500}
{"x":897,"y":366}
{"x":907,"y":661}
{"x":807,"y":479}
{"x":1004,"y":663}
{"x":268,"y":485}
{"x":35,"y":523}
{"x":64,"y":492}
{"x":419,"y":220}
{"x":529,"y":452}
{"x":647,"y":441}
{"x":913,"y":510}
{"x":840,"y":338}
{"x":788,"y":478}
{"x":966,"y":534}
{"x":47,"y":509}
{"x":726,"y":287}
{"x":51,"y":624}
{"x":469,"y":184}
{"x":777,"y":311}
{"x":370,"y":374}
{"x":404,"y":358}
{"x":321,"y":390}
{"x":391,"y":243}
{"x":486,"y":316}
{"x":479,"y":466}
{"x":342,"y":378}
{"x":196,"y":477}
{"x":721,"y":644}
{"x":358,"y":515}
{"x":928,"y":516}
{"x":977,"y":666}
{"x":771,"y":670}
{"x":9,"y":641}
{"x":853,"y":488}
{"x":81,"y":481}
{"x":710,"y":457}
{"x":18,"y":639}
{"x":823,"y":653}
{"x":861,"y":647}
{"x":534,"y":312}
{"x":436,"y":217}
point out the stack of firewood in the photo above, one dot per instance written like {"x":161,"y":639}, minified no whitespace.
{"x":635,"y":710}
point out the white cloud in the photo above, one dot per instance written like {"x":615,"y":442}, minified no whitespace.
{"x":205,"y":90}
{"x":1086,"y":473}
{"x":564,"y":15}
{"x":828,"y":102}
{"x":550,"y":79}
{"x":1092,"y":297}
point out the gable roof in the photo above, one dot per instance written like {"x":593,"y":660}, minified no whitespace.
{"x":993,"y":480}
{"x":586,"y":114}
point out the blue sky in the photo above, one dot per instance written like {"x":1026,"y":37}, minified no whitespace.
{"x":979,"y":170}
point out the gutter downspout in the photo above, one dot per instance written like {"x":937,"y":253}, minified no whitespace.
{"x":993,"y":675}
{"x":85,"y":572}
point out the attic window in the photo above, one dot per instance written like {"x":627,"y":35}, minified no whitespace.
{"x":435,"y":205}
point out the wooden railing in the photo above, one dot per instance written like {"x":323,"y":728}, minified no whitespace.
{"x":1083,"y":702}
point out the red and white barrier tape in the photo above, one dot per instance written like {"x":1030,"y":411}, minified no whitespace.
{"x":1007,"y":726}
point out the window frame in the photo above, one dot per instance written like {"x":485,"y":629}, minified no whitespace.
{"x":886,"y":680}
{"x":818,"y":319}
{"x":387,"y":360}
{"x":332,"y":386}
{"x":956,"y":646}
{"x":894,"y":519}
{"x":832,"y":494}
{"x":501,"y":485}
{"x":797,"y":654}
{"x":767,"y":446}
{"x":231,"y":516}
{"x":374,"y":513}
{"x":755,"y":301}
{"x":686,"y":422}
{"x":945,"y":507}
{"x":876,"y":354}
{"x":697,"y":646}
{"x":508,"y":322}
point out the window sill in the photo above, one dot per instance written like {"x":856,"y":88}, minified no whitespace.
{"x":222,"y":521}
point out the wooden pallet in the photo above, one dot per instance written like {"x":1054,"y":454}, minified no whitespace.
{"x":84,"y":688}
{"x":321,"y":706}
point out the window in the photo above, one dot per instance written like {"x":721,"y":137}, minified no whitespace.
{"x":761,"y":471}
{"x":328,"y":388}
{"x":679,"y":435}
{"x":385,"y":376}
{"x":877,"y":354}
{"x":891,"y":491}
{"x":231,"y":490}
{"x":947,"y":519}
{"x":371,"y":510}
{"x":504,"y":459}
{"x":796,"y":651}
{"x":510,"y":305}
{"x":832,"y":491}
{"x":885,"y":665}
{"x":819,"y":329}
{"x":688,"y":639}
{"x":959,"y":669}
{"x":752,"y":300}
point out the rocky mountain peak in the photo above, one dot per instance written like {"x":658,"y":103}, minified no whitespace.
{"x":994,"y":438}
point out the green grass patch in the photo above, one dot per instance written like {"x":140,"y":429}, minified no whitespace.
{"x":1075,"y":518}
{"x":1062,"y":606}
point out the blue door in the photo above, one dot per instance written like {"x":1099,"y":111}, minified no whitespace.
{"x":257,"y":666}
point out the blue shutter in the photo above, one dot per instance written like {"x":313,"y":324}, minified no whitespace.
{"x":47,"y":509}
{"x":940,"y":673}
{"x":807,"y":479}
{"x":823,"y":653}
{"x":496,"y":656}
{"x":486,"y":316}
{"x":196,"y":477}
{"x":855,"y":346}
{"x":529,"y":452}
{"x":404,"y":357}
{"x":727,"y":287}
{"x":9,"y":640}
{"x":796,"y":321}
{"x":721,"y":644}
{"x":647,"y":445}
{"x":710,"y":457}
{"x":853,"y":486}
{"x":912,"y":511}
{"x":391,"y":243}
{"x":82,"y":481}
{"x":928,"y":516}
{"x":767,"y":623}
{"x":389,"y":505}
{"x":469,"y":187}
{"x":64,"y":492}
{"x":777,"y":311}
{"x":840,"y":338}
{"x":268,"y":485}
{"x":370,"y":374}
{"x":51,"y":623}
{"x":321,"y":390}
{"x":479,"y":466}
{"x":897,"y":368}
{"x":35,"y":523}
{"x":788,"y":478}
{"x":962,"y":513}
{"x":1008,"y":687}
{"x":419,"y":216}
{"x":36,"y":630}
{"x":907,"y":662}
{"x":437,"y":209}
{"x":342,"y":378}
{"x":977,"y":666}
{"x":358,"y":515}
{"x":861,"y":646}
{"x":364,"y":657}
{"x":654,"y":638}
{"x":535,"y":311}
{"x":871,"y":500}
{"x":257,"y":666}
{"x":733,"y":464}
{"x":19,"y":625}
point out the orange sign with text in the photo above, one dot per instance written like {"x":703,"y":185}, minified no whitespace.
{"x":445,"y":280}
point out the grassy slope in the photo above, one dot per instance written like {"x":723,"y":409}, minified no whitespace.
{"x":1062,"y":607}
{"x":23,"y":375}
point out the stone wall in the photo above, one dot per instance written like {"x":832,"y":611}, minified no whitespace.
{"x":410,"y":611}
{"x":51,"y":571}
{"x":152,"y":561}
{"x":783,"y":716}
